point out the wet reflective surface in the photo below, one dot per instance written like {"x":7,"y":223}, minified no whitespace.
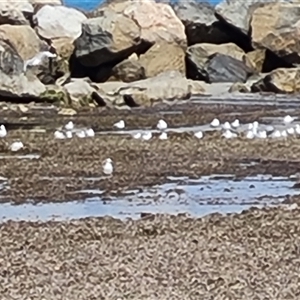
{"x":197,"y":197}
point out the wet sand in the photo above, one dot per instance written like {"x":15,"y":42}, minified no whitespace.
{"x":249,"y":255}
{"x":253,"y":255}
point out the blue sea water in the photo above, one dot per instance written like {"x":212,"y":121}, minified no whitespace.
{"x":88,"y":5}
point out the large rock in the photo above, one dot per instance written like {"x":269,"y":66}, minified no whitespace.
{"x":128,"y":70}
{"x":258,"y":58}
{"x":12,"y":16}
{"x":158,"y":21}
{"x":58,"y":21}
{"x":13,"y":82}
{"x":199,"y":56}
{"x":79,"y":92}
{"x":111,"y":37}
{"x":23,"y":38}
{"x":284,"y":81}
{"x":224,"y":68}
{"x":201,"y":25}
{"x":170,"y":85}
{"x":237,"y":13}
{"x":23,"y":6}
{"x":276,"y":26}
{"x":163,"y":57}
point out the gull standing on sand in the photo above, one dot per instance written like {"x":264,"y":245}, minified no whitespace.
{"x":37,"y":59}
{"x":291,"y":131}
{"x":120,"y":124}
{"x":107,"y":166}
{"x":229,"y":135}
{"x":288,"y":119}
{"x":137,"y":135}
{"x":226,"y":125}
{"x":250,"y":135}
{"x":215,"y":123}
{"x":3,"y":131}
{"x":162,"y":125}
{"x":59,"y":135}
{"x":69,"y":134}
{"x":81,"y":134}
{"x":163,"y":136}
{"x":69,"y":125}
{"x":198,"y":135}
{"x":147,"y":136}
{"x":90,"y":132}
{"x":16,"y":146}
{"x":235,"y":123}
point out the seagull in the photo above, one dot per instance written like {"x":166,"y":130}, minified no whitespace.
{"x":276,"y":134}
{"x":228,"y":134}
{"x":253,"y":126}
{"x":291,"y":130}
{"x":163,"y":136}
{"x":107,"y":166}
{"x":90,"y":132}
{"x":262,"y":134}
{"x":37,"y":59}
{"x":59,"y":135}
{"x":147,"y":136}
{"x":215,"y":123}
{"x":3,"y":131}
{"x":120,"y":124}
{"x":297,"y":129}
{"x":284,"y":133}
{"x":226,"y":125}
{"x":288,"y":119}
{"x":199,"y":135}
{"x":235,"y":123}
{"x":250,"y":135}
{"x":69,"y":134}
{"x":137,"y":136}
{"x":81,"y":134}
{"x":16,"y":146}
{"x":69,"y":125}
{"x":162,"y":125}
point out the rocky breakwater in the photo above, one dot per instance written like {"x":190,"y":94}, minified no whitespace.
{"x":133,"y":53}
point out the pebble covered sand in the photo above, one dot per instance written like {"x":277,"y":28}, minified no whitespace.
{"x":254,"y":255}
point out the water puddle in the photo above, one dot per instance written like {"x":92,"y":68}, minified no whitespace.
{"x":197,"y":197}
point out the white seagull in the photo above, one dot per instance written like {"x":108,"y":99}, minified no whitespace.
{"x":162,"y":125}
{"x":288,"y":119}
{"x":235,"y":123}
{"x":137,"y":135}
{"x":120,"y":124}
{"x":228,"y":134}
{"x":163,"y":136}
{"x":81,"y":134}
{"x":37,"y":59}
{"x":69,"y":134}
{"x":3,"y":131}
{"x":16,"y":146}
{"x":226,"y":125}
{"x":198,"y":135}
{"x":59,"y":135}
{"x":215,"y":123}
{"x":107,"y":166}
{"x":90,"y":132}
{"x":147,"y":136}
{"x":69,"y":125}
